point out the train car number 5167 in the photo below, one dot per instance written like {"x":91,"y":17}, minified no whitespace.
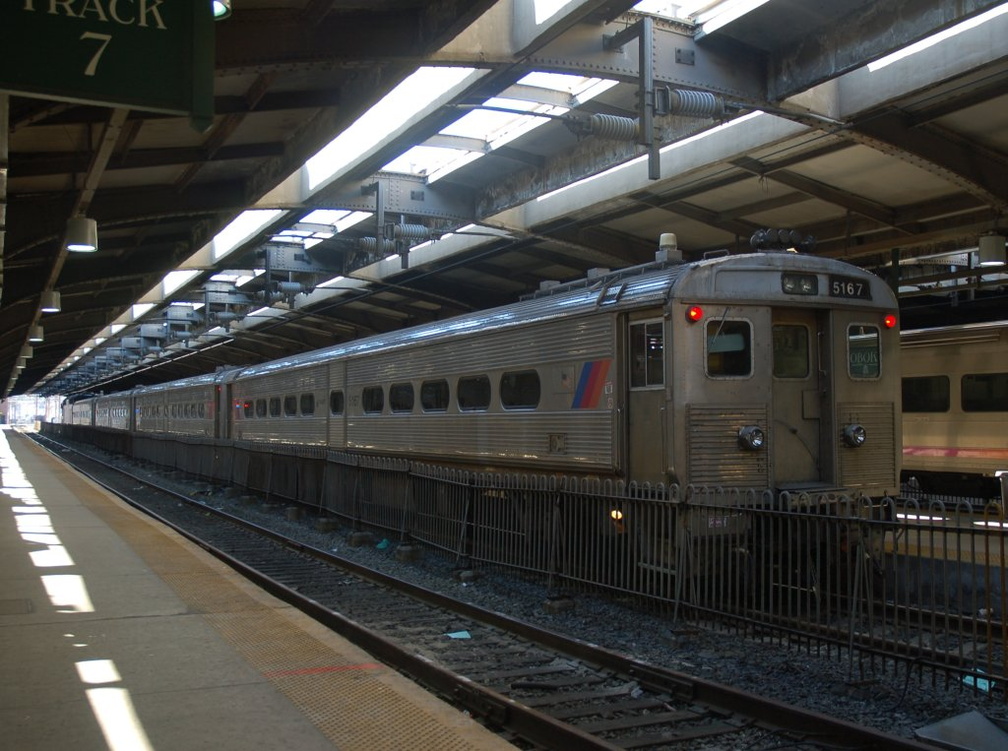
{"x":845,"y":286}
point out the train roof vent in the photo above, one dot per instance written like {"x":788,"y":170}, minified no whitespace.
{"x":547,"y":284}
{"x":596,"y":273}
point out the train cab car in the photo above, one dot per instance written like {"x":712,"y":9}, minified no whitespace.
{"x":783,"y":372}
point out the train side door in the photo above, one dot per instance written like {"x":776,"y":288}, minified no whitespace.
{"x":646,"y":411}
{"x":799,"y":390}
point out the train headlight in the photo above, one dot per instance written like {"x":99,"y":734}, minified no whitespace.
{"x":854,"y":435}
{"x":751,"y":437}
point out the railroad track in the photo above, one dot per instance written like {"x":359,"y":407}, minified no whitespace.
{"x":537,"y":688}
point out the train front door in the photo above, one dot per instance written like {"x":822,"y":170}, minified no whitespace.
{"x":646,"y":402}
{"x":800,"y":382}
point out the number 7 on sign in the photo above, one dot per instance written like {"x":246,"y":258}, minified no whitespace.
{"x":104,"y":39}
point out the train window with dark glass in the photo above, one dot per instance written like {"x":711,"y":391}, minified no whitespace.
{"x":729,"y":348}
{"x":307,"y":404}
{"x":434,"y":396}
{"x":260,"y":407}
{"x":647,"y":347}
{"x":373,"y":400}
{"x":274,"y":406}
{"x":863,"y":351}
{"x":926,"y":394}
{"x":401,"y":397}
{"x":985,"y":392}
{"x":202,"y":410}
{"x":290,"y":403}
{"x":336,"y":402}
{"x":249,"y":408}
{"x":790,"y":351}
{"x":473,"y":393}
{"x":520,"y":390}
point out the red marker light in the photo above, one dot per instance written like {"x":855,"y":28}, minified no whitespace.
{"x":889,"y":321}
{"x":694,"y":313}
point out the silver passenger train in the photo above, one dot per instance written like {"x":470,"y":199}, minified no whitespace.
{"x":955,"y":409}
{"x":754,"y":371}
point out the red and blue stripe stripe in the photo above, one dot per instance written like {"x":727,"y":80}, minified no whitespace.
{"x":590,"y":384}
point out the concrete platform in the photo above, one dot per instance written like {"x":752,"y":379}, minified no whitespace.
{"x":117,"y":634}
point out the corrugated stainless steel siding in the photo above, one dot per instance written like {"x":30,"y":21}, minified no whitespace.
{"x":714,"y":456}
{"x":485,"y":352}
{"x":510,"y":437}
{"x":874,"y":463}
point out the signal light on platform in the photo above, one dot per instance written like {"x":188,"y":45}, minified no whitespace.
{"x":889,"y":321}
{"x":694,"y":313}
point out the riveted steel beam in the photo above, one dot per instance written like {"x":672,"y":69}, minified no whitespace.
{"x":402,"y":194}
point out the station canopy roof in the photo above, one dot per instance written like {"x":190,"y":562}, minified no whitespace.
{"x":374,"y":165}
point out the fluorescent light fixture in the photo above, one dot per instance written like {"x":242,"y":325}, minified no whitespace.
{"x":221,"y":9}
{"x":50,"y":301}
{"x":991,"y":250}
{"x":81,"y":235}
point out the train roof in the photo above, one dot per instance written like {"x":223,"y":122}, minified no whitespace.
{"x":966,"y":332}
{"x":636,"y":287}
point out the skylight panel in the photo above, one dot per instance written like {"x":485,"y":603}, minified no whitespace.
{"x":941,"y":36}
{"x":243,"y":227}
{"x":661,"y":8}
{"x":406,"y":100}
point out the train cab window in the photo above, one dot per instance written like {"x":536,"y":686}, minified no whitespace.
{"x":401,"y":397}
{"x":373,"y":400}
{"x":926,"y":394}
{"x":274,"y":406}
{"x":985,"y":392}
{"x":307,"y":404}
{"x":260,"y":407}
{"x":520,"y":390}
{"x":290,"y":404}
{"x":473,"y":393}
{"x":729,"y":348}
{"x":647,"y":347}
{"x":434,"y":396}
{"x":863,"y":351}
{"x":336,"y":402}
{"x":790,"y":351}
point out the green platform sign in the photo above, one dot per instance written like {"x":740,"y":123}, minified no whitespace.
{"x":155,"y":55}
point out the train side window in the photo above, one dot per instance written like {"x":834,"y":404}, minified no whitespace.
{"x":520,"y":390}
{"x":790,"y":351}
{"x":336,"y":402}
{"x":260,"y":407}
{"x":434,"y":396}
{"x":248,"y":408}
{"x":729,"y":348}
{"x":473,"y":393}
{"x":307,"y":404}
{"x":863,"y":351}
{"x":401,"y":397}
{"x":274,"y":406}
{"x":290,"y":405}
{"x":985,"y":392}
{"x":647,"y":361}
{"x":373,"y":400}
{"x":926,"y":394}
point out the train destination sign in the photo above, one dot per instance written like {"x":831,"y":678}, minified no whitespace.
{"x":155,"y":55}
